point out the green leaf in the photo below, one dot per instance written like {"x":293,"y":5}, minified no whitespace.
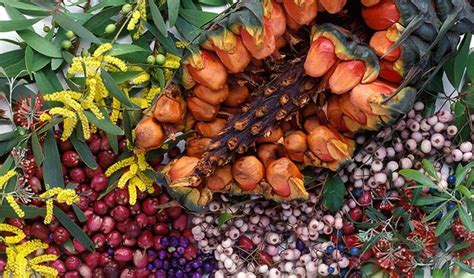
{"x":84,"y":152}
{"x":106,"y":126}
{"x":107,"y":3}
{"x":187,"y":30}
{"x":461,"y":121}
{"x":464,"y":191}
{"x":17,"y":24}
{"x":444,"y":223}
{"x":69,"y":24}
{"x":167,"y":42}
{"x":456,"y":67}
{"x":462,"y":173}
{"x":437,"y":273}
{"x":80,"y":215}
{"x":127,"y":125}
{"x":6,"y":136}
{"x":368,"y":270}
{"x":415,"y":175}
{"x":73,"y":228}
{"x":115,"y":91}
{"x":214,"y":3}
{"x":466,"y":219}
{"x":122,"y":49}
{"x":97,"y":23}
{"x":428,"y":200}
{"x":40,"y":44}
{"x":25,"y":7}
{"x":458,"y":246}
{"x":29,"y":59}
{"x":30,"y":212}
{"x":470,"y":67}
{"x":36,"y":147}
{"x":197,"y":18}
{"x":429,"y":167}
{"x":157,"y":18}
{"x":435,"y":212}
{"x":52,"y":173}
{"x":173,"y":10}
{"x":120,"y":77}
{"x":224,"y":217}
{"x":464,"y":267}
{"x":333,"y":193}
{"x":47,"y":81}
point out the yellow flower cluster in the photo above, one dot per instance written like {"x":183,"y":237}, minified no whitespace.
{"x":15,"y":206}
{"x":5,"y":178}
{"x":152,"y":93}
{"x":18,"y":262}
{"x":139,"y":17}
{"x":135,"y":177}
{"x":171,"y":64}
{"x":181,"y":44}
{"x":73,"y":111}
{"x":67,"y":196}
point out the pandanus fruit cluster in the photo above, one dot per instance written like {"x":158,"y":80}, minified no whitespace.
{"x":277,"y":86}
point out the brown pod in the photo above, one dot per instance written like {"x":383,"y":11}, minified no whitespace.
{"x":189,"y":122}
{"x":197,"y":147}
{"x":274,"y":135}
{"x":268,"y":153}
{"x":248,"y":171}
{"x":201,"y":110}
{"x":213,"y":97}
{"x":346,"y":76}
{"x":222,"y":176}
{"x":295,"y":145}
{"x":182,"y":167}
{"x":210,"y":72}
{"x":168,"y":110}
{"x":279,"y":173}
{"x":211,"y":129}
{"x":149,"y":134}
{"x":238,"y":95}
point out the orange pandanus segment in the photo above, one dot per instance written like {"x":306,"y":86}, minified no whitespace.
{"x":197,"y":147}
{"x":237,"y":59}
{"x":182,"y":168}
{"x":295,"y":145}
{"x":328,"y":145}
{"x":368,"y":96}
{"x":381,"y":45}
{"x":222,"y":176}
{"x":334,"y":113}
{"x":169,"y":110}
{"x":274,"y":135}
{"x":321,"y":57}
{"x":259,"y":50}
{"x":388,"y":73}
{"x":333,"y":6}
{"x":280,"y":173}
{"x":351,"y":111}
{"x":211,"y":129}
{"x":369,"y":3}
{"x":207,"y":70}
{"x":346,"y":76}
{"x":248,"y":171}
{"x":201,"y":110}
{"x":268,"y":153}
{"x":301,"y":12}
{"x":237,"y":96}
{"x":213,"y":97}
{"x":149,"y":134}
{"x":382,"y":15}
{"x":277,"y":20}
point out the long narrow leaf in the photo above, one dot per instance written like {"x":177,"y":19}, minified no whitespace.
{"x":69,"y":24}
{"x":158,"y":18}
{"x":84,"y":152}
{"x":73,"y":229}
{"x":52,"y":174}
{"x":115,"y":91}
{"x":39,"y":43}
{"x":17,"y":24}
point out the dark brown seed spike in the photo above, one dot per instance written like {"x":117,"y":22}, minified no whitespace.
{"x":241,"y":124}
{"x":284,"y":99}
{"x":232,"y":143}
{"x":269,"y":91}
{"x":281,"y":114}
{"x":288,"y":81}
{"x":256,"y":128}
{"x":302,"y":101}
{"x":245,"y":107}
{"x":242,"y":149}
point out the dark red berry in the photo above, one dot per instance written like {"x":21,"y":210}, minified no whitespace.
{"x":264,"y":258}
{"x":145,"y":240}
{"x":123,"y":254}
{"x":72,"y":262}
{"x":356,"y":214}
{"x":100,"y":207}
{"x":70,"y":159}
{"x":120,"y":213}
{"x":245,"y":243}
{"x":39,"y":231}
{"x":60,"y":235}
{"x":114,"y":239}
{"x":99,"y":182}
{"x":78,"y":174}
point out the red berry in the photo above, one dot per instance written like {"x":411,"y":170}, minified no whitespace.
{"x":130,"y":242}
{"x":245,"y":243}
{"x":150,"y":206}
{"x":39,"y":231}
{"x":128,"y":273}
{"x":93,"y":223}
{"x":110,"y":200}
{"x":59,"y":266}
{"x":99,"y":240}
{"x":365,"y":199}
{"x":70,"y":159}
{"x":265,"y":258}
{"x":78,"y":174}
{"x":190,"y":252}
{"x":83,"y":203}
{"x":106,"y":159}
{"x":123,"y":254}
{"x":85,"y":271}
{"x":104,"y":259}
{"x":351,"y":240}
{"x":141,"y":272}
{"x":348,"y":228}
{"x":53,"y":250}
{"x":60,"y":235}
{"x":174,"y":212}
{"x":180,"y":223}
{"x":356,"y":214}
{"x":142,"y":220}
{"x":140,"y":259}
{"x":35,"y":184}
{"x":92,"y":260}
{"x":17,"y":222}
{"x":133,"y":230}
{"x":100,"y":207}
{"x":120,"y":213}
{"x":2,"y":265}
{"x":98,"y":273}
{"x":145,"y":240}
{"x":107,"y":225}
{"x":121,"y":196}
{"x":90,"y":173}
{"x":78,"y":246}
{"x":111,"y":269}
{"x":114,"y":239}
{"x":161,"y":229}
{"x":99,"y":182}
{"x":72,"y":263}
{"x":65,"y":145}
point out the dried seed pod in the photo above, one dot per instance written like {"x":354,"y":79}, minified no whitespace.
{"x":169,"y":110}
{"x":237,"y":96}
{"x":201,"y":110}
{"x":206,"y":69}
{"x":222,"y":176}
{"x":268,"y":153}
{"x":196,"y":147}
{"x":381,"y":44}
{"x":182,"y":168}
{"x":328,"y":145}
{"x":149,"y":134}
{"x":321,"y":57}
{"x":279,"y":173}
{"x":248,"y":171}
{"x":382,"y":15}
{"x":272,"y":136}
{"x":346,"y":76}
{"x":301,"y":11}
{"x":332,"y":6}
{"x":213,"y":97}
{"x":211,"y":129}
{"x":277,"y":20}
{"x":295,"y":145}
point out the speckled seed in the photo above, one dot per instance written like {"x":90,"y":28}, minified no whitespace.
{"x":377,"y":166}
{"x":410,"y":144}
{"x":425,"y":146}
{"x":452,"y":130}
{"x":406,"y":163}
{"x":466,"y":147}
{"x":467,"y":156}
{"x":437,"y":140}
{"x":438,"y":127}
{"x":456,"y":154}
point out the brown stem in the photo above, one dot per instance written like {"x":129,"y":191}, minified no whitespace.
{"x":277,"y":101}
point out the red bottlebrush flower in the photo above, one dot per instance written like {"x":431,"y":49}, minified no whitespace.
{"x":424,"y":233}
{"x":27,"y":111}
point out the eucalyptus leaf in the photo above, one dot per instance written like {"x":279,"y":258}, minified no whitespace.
{"x":428,"y":200}
{"x":415,"y":175}
{"x":444,"y":223}
{"x":17,"y":24}
{"x":84,"y":152}
{"x":158,"y":18}
{"x":115,"y":91}
{"x":197,"y":18}
{"x":73,"y":229}
{"x":333,"y":193}
{"x":79,"y":213}
{"x":456,"y":67}
{"x":39,"y":43}
{"x":106,"y":126}
{"x":215,"y":3}
{"x":466,"y":219}
{"x":173,"y":10}
{"x":69,"y":24}
{"x":429,"y":167}
{"x":52,"y":173}
{"x":37,"y":150}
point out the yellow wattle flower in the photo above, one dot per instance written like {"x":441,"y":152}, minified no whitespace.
{"x":19,"y":265}
{"x":14,"y":205}
{"x":102,"y":49}
{"x":141,"y":78}
{"x":49,"y":212}
{"x":17,"y":237}
{"x":133,"y":21}
{"x":61,"y":195}
{"x":5,"y":178}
